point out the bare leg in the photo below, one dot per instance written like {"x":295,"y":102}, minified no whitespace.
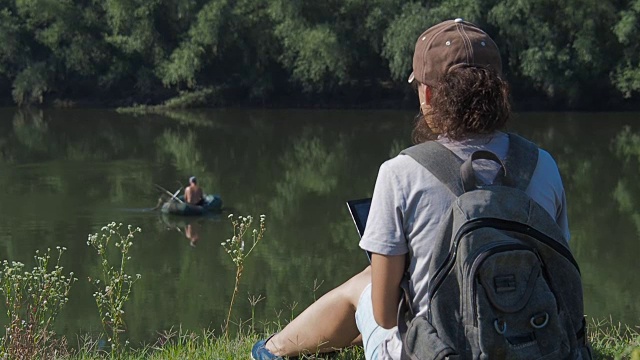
{"x":327,"y":324}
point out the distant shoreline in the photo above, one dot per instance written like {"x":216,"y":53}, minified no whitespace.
{"x":532,"y":105}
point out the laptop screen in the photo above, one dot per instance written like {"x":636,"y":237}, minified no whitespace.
{"x":359,"y":210}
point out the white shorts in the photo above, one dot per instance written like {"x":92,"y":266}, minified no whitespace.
{"x":373,"y":335}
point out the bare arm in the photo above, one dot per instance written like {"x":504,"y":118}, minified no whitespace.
{"x":386,"y":274}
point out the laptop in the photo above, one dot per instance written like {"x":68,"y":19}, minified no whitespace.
{"x":359,"y":210}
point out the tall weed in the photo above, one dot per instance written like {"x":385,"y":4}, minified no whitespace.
{"x":235,"y":247}
{"x":33,"y":300}
{"x":114,"y":285}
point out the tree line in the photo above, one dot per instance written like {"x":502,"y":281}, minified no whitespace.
{"x":556,"y":53}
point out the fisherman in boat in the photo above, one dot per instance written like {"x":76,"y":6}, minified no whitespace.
{"x":193,"y":193}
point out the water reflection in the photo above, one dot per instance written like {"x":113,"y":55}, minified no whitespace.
{"x":30,"y":129}
{"x":627,"y":148}
{"x":189,"y":228}
{"x":192,"y":232}
{"x":310,"y":166}
{"x":64,"y":174}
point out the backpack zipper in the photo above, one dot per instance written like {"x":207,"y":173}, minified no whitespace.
{"x":499,"y":224}
{"x":501,"y":247}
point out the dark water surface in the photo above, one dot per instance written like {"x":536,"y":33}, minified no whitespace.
{"x":66,"y":173}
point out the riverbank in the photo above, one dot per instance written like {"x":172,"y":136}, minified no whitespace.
{"x":211,"y":98}
{"x":608,"y":342}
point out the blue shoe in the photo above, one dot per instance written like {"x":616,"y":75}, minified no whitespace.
{"x":260,"y":352}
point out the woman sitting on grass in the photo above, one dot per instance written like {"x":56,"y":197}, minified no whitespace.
{"x":464,"y":102}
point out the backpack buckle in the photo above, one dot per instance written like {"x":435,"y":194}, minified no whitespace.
{"x":500,"y":326}
{"x":540,"y":320}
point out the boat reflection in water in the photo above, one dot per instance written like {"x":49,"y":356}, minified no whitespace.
{"x":189,"y":227}
{"x":192,"y":232}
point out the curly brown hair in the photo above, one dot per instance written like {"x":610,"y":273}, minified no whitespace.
{"x":466,"y":100}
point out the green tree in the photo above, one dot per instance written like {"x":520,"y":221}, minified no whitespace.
{"x":11,"y":50}
{"x":135,"y":44}
{"x":626,"y":76}
{"x":59,"y":43}
{"x":572,"y":52}
{"x":201,"y":42}
{"x":334,"y":43}
{"x":311,"y":51}
{"x":563,"y":48}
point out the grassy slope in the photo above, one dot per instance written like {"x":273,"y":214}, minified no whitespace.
{"x":607,"y":342}
{"x":204,"y":346}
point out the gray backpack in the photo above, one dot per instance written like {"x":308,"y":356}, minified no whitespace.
{"x":503,"y":283}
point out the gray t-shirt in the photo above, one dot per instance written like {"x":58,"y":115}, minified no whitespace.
{"x":409,"y":203}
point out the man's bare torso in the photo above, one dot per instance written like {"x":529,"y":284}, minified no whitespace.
{"x":193,"y":194}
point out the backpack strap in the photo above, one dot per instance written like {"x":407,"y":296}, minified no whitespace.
{"x":520,"y":163}
{"x":518,"y":166}
{"x":469,"y":176}
{"x":441,"y":162}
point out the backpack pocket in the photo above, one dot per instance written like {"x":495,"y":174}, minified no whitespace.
{"x":515,"y":311}
{"x":421,"y":342}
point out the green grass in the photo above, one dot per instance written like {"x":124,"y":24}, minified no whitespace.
{"x":196,"y":346}
{"x":609,"y":341}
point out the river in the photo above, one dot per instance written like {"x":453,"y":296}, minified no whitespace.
{"x":66,"y":173}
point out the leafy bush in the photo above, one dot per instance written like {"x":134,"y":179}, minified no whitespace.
{"x":30,"y":85}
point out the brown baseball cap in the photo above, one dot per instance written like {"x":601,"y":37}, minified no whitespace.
{"x":449,"y":45}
